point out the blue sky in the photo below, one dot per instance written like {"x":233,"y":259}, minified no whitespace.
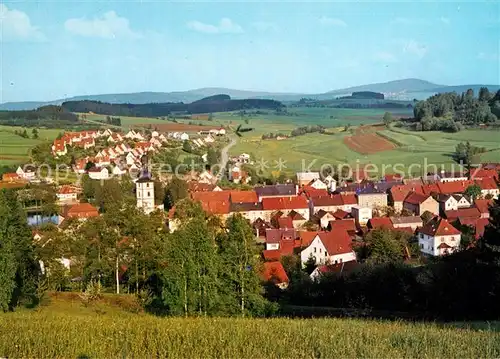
{"x":57,"y":49}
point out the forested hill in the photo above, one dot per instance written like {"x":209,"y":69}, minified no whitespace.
{"x":217,"y":103}
{"x":451,"y":111}
{"x":47,"y":116}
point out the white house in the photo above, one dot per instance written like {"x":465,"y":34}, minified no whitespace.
{"x":329,"y":248}
{"x":361,"y":214}
{"x":488,"y":187}
{"x":117,"y":171}
{"x":318,"y":184}
{"x":438,"y":237}
{"x":28,"y":173}
{"x":304,"y":178}
{"x":209,"y":139}
{"x":130,"y":135}
{"x":67,"y":194}
{"x":98,"y":173}
{"x":184,"y":136}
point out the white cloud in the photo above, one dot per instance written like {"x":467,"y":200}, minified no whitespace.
{"x":108,"y":26}
{"x":263,"y":26}
{"x":488,"y":57}
{"x":384,"y":56}
{"x":330,"y":21}
{"x":225,"y":26}
{"x":445,"y":20}
{"x":16,"y":25}
{"x":415,"y":48}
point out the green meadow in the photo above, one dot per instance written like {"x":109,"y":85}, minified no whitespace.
{"x":115,"y":327}
{"x":15,"y":149}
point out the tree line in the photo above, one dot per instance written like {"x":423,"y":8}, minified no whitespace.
{"x":50,"y":116}
{"x":165,"y":109}
{"x":451,"y":111}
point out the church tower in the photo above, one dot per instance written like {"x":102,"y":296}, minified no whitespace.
{"x":145,"y":193}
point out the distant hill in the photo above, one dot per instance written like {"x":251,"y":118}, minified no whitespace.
{"x":406,"y":85}
{"x":397,"y":87}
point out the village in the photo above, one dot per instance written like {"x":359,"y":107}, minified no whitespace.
{"x":316,"y":218}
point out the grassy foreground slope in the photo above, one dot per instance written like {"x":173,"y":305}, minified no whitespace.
{"x":70,"y":330}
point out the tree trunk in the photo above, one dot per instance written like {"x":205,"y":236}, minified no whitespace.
{"x":136,"y":277}
{"x":117,"y":276}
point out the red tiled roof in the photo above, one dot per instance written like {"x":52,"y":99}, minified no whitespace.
{"x":276,"y":235}
{"x":336,"y":241}
{"x":216,"y":207}
{"x":484,"y":173}
{"x":244,"y":197}
{"x":349,"y":199}
{"x":274,"y":272}
{"x":483,"y":205}
{"x":285,"y":222}
{"x":305,"y":238}
{"x":487,"y":183}
{"x":400,"y":192}
{"x":439,"y":227}
{"x":454,"y":186}
{"x":379,"y":222}
{"x":340,"y":214}
{"x":221,"y":196}
{"x":343,"y":224}
{"x":312,"y":192}
{"x":431,"y":188}
{"x":200,"y":187}
{"x":473,"y":212}
{"x":323,"y":201}
{"x":271,"y":255}
{"x":480,"y":226}
{"x":11,"y":176}
{"x":416,"y":198}
{"x":67,"y":190}
{"x":82,"y":210}
{"x":277,"y":203}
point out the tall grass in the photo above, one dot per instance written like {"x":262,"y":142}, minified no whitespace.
{"x":71,"y":330}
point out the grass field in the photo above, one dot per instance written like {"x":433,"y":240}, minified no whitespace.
{"x":68,"y":329}
{"x":15,"y":149}
{"x":412,"y":148}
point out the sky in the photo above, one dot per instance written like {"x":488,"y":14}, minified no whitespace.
{"x":56,"y":49}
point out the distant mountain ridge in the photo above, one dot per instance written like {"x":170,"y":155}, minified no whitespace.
{"x":408,"y":86}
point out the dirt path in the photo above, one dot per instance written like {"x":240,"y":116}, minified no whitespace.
{"x":224,"y":158}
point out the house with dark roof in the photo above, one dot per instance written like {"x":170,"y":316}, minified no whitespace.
{"x":278,"y":190}
{"x":323,"y":218}
{"x":438,"y":237}
{"x":371,"y":197}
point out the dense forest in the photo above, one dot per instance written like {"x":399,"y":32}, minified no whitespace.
{"x":46,"y":116}
{"x":365,"y":95}
{"x":218,"y":103}
{"x":451,"y":111}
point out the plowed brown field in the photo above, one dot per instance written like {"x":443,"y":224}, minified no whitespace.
{"x":366,"y":141}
